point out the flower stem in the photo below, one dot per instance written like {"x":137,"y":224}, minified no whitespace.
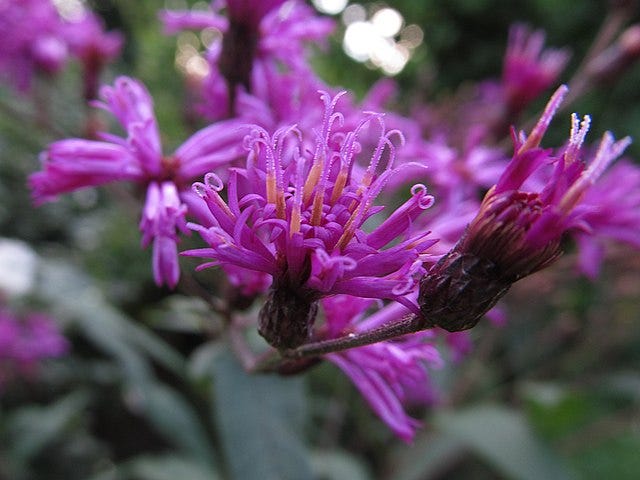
{"x":409,"y":324}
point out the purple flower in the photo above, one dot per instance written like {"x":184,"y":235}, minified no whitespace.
{"x":520,"y":225}
{"x":72,"y":164}
{"x":93,"y":46}
{"x":298,"y":216}
{"x":389,"y":374}
{"x":262,"y":42}
{"x":528,"y":68}
{"x":26,"y":341}
{"x":88,"y":40}
{"x":32,"y":33}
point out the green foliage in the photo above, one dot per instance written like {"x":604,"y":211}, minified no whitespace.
{"x":260,"y":420}
{"x":503,"y":438}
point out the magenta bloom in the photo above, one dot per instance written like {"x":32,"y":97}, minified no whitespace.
{"x":262,"y":42}
{"x":32,"y":33}
{"x":529,"y":69}
{"x":72,"y":164}
{"x":391,"y":374}
{"x":553,"y":210}
{"x":520,"y":225}
{"x":26,"y":341}
{"x":298,"y":216}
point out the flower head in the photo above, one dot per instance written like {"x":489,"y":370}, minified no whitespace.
{"x":72,"y":164}
{"x":299,"y":216}
{"x":518,"y":229}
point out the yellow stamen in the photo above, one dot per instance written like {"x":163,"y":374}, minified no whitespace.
{"x":271,"y":188}
{"x":349,"y":229}
{"x":275,"y":195}
{"x":294,"y":224}
{"x":338,"y":187}
{"x":312,"y":180}
{"x":316,"y":214}
{"x":280,"y":207}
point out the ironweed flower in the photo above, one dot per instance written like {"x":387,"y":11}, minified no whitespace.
{"x":262,"y":42}
{"x":76,"y":163}
{"x":298,"y":216}
{"x":516,"y":232}
{"x":390,"y":374}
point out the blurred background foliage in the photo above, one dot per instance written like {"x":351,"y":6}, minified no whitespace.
{"x":150,"y":391}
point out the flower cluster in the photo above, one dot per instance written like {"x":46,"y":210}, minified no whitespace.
{"x":295,"y":189}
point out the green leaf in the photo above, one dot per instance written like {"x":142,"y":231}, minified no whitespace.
{"x":175,"y":418}
{"x":260,"y":418}
{"x":429,"y":455}
{"x":616,"y":457}
{"x":32,"y":428}
{"x":556,"y":411}
{"x":180,"y":313}
{"x":503,"y":438}
{"x":169,"y":467}
{"x":201,"y":359}
{"x":72,"y":294}
{"x":337,"y":465}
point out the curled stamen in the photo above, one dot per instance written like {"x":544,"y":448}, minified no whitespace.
{"x":214,"y":181}
{"x":424,"y":200}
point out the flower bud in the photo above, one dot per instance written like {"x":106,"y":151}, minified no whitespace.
{"x":516,"y":232}
{"x":493,"y":253}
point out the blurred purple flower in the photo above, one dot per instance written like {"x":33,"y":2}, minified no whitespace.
{"x":93,"y":46}
{"x":528,"y":68}
{"x":26,"y":341}
{"x":390,"y":375}
{"x":36,"y":38}
{"x":610,"y":210}
{"x":262,"y":42}
{"x":72,"y":164}
{"x":32,"y":33}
